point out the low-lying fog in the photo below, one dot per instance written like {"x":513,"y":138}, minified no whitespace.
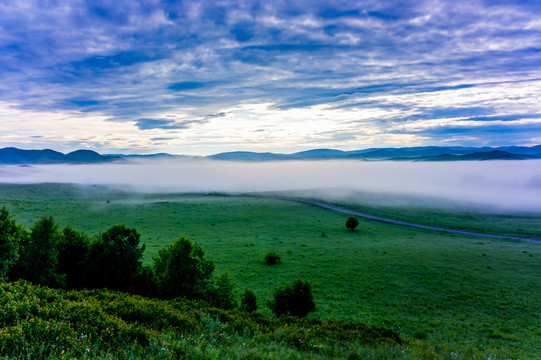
{"x":512,"y":185}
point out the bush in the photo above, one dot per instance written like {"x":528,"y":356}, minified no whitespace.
{"x":272,"y":258}
{"x":293,"y":299}
{"x":248,"y":301}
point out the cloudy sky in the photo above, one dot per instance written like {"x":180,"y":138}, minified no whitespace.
{"x":202,"y":77}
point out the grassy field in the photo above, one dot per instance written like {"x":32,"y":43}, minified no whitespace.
{"x":456,"y":296}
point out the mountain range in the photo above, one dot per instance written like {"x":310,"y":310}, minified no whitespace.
{"x":13,"y":156}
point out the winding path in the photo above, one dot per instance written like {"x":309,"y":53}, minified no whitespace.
{"x":399,"y":222}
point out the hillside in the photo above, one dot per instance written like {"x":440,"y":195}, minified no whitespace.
{"x":38,"y":322}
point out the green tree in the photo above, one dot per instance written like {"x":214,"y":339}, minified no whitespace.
{"x":11,"y":235}
{"x":73,"y":249}
{"x":41,"y":257}
{"x":248,"y":301}
{"x":293,"y":299}
{"x":352,"y":223}
{"x":180,"y":269}
{"x":222,"y":293}
{"x":115,"y":259}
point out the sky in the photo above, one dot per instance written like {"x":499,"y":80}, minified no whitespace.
{"x":203,"y":77}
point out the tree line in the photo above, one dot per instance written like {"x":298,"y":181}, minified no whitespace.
{"x":69,"y":259}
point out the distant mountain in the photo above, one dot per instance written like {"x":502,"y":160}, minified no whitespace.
{"x":426,"y":153}
{"x":487,"y":155}
{"x":147,"y":156}
{"x":12,"y":156}
{"x":248,"y":156}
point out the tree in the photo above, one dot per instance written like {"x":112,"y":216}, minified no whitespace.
{"x":11,"y":235}
{"x":115,"y":259}
{"x":41,"y":257}
{"x":73,"y":249}
{"x":222,"y":293}
{"x":182,"y":270}
{"x":293,"y":299}
{"x":352,"y":223}
{"x":248,"y":301}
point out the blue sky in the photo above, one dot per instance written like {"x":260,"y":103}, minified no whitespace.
{"x":202,"y":77}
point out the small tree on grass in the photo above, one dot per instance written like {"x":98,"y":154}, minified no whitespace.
{"x":293,"y":299}
{"x":352,"y":223}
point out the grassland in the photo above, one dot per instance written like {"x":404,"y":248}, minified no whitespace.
{"x":454,"y":296}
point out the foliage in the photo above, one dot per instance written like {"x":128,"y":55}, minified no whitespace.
{"x":115,"y":259}
{"x":222,"y":293}
{"x":293,"y":299}
{"x":352,"y":223}
{"x":11,"y":235}
{"x":38,"y":322}
{"x":248,"y":301}
{"x":182,"y":270}
{"x":73,"y":249}
{"x":272,"y":258}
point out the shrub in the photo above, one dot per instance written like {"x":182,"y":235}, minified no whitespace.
{"x":352,"y":223}
{"x":248,"y":301}
{"x":293,"y":299}
{"x":272,"y":258}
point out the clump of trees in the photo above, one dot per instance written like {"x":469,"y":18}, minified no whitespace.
{"x":70,"y":259}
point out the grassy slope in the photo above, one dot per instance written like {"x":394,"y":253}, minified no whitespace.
{"x":460,"y":294}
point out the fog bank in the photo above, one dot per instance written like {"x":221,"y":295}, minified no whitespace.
{"x":514,"y":185}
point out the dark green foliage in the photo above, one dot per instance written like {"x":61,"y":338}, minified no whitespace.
{"x":182,"y":271}
{"x":222,"y":293}
{"x":41,"y":255}
{"x":248,"y":301}
{"x":293,"y":299}
{"x":145,"y":283}
{"x":115,"y":259}
{"x":11,"y":235}
{"x":272,"y":258}
{"x":352,"y":223}
{"x":73,"y":249}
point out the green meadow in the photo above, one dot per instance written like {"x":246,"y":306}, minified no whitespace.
{"x":449,"y":296}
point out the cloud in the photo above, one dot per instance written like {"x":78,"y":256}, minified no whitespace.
{"x":138,"y":62}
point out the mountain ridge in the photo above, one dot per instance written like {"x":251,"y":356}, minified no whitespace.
{"x":15,"y":156}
